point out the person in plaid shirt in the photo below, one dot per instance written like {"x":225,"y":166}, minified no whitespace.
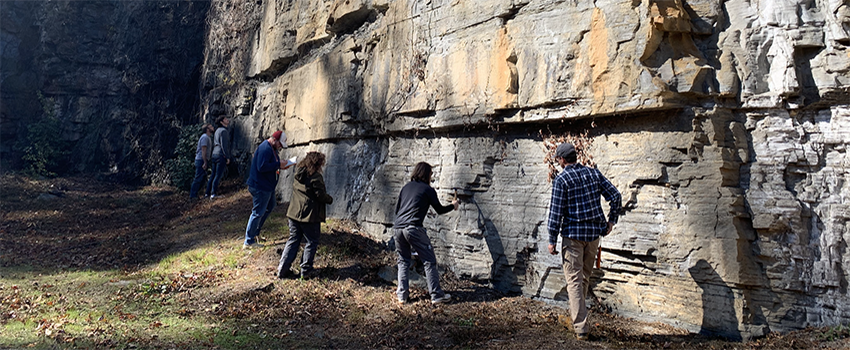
{"x":575,"y":213}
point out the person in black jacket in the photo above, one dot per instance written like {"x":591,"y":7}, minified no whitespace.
{"x":306,"y":213}
{"x":409,"y":233}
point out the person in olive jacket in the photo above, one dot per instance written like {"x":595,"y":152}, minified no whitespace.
{"x":306,"y":213}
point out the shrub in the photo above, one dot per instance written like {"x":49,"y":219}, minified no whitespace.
{"x":42,"y":146}
{"x":181,"y":168}
{"x":582,"y":142}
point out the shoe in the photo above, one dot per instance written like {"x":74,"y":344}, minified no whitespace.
{"x":582,"y":337}
{"x":288,"y":274}
{"x":443,"y":299}
{"x":401,"y":301}
{"x":212,"y":196}
{"x":252,"y":245}
{"x":307,"y":274}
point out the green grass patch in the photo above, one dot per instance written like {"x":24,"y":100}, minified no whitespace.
{"x":19,"y":334}
{"x":202,"y":258}
{"x":235,"y":226}
{"x":94,"y":308}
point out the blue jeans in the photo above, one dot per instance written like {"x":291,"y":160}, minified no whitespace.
{"x":297,"y":231}
{"x":416,"y":238}
{"x":264,"y":203}
{"x":218,"y":166}
{"x":200,"y":174}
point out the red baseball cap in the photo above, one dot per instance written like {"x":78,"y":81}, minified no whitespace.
{"x":279,"y":136}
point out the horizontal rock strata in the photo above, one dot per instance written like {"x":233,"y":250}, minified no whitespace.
{"x":724,"y":125}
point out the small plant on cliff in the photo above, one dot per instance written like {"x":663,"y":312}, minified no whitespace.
{"x":181,"y":168}
{"x":582,"y":143}
{"x":42,"y":145}
{"x":836,"y":333}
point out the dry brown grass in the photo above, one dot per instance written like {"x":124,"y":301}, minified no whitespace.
{"x":108,"y":266}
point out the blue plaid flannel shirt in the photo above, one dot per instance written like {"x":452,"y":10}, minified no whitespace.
{"x":575,"y":210}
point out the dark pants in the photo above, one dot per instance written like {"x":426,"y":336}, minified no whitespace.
{"x":298,"y":230}
{"x":200,"y":174}
{"x":416,"y":238}
{"x":219,"y":164}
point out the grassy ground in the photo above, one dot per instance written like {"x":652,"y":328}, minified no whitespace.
{"x":99,"y":265}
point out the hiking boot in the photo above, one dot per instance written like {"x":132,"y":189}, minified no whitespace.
{"x":288,"y":274}
{"x":308,"y":274}
{"x":252,"y":245}
{"x":401,"y":301}
{"x":443,"y":299}
{"x":582,"y":336}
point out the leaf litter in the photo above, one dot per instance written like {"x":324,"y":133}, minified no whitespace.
{"x":113,"y":266}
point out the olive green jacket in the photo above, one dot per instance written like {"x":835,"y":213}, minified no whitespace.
{"x":309,"y":197}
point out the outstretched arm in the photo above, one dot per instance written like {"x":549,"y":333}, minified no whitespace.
{"x":435,"y":203}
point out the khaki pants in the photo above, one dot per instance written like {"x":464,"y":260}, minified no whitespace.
{"x":579,"y":257}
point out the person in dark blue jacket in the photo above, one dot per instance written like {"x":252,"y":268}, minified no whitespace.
{"x":265,"y":169}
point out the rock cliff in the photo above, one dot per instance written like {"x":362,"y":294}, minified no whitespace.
{"x":18,"y":75}
{"x":122,"y":76}
{"x":724,"y":124}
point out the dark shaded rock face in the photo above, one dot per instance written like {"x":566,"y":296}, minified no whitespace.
{"x":18,"y":74}
{"x":120,"y":75}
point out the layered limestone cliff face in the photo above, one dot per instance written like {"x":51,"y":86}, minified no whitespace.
{"x":725,"y":125}
{"x":121,"y":76}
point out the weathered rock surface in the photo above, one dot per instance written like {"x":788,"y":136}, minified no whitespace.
{"x":122,"y":76}
{"x":724,"y":124}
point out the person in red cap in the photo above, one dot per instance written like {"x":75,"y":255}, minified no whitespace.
{"x":261,"y":182}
